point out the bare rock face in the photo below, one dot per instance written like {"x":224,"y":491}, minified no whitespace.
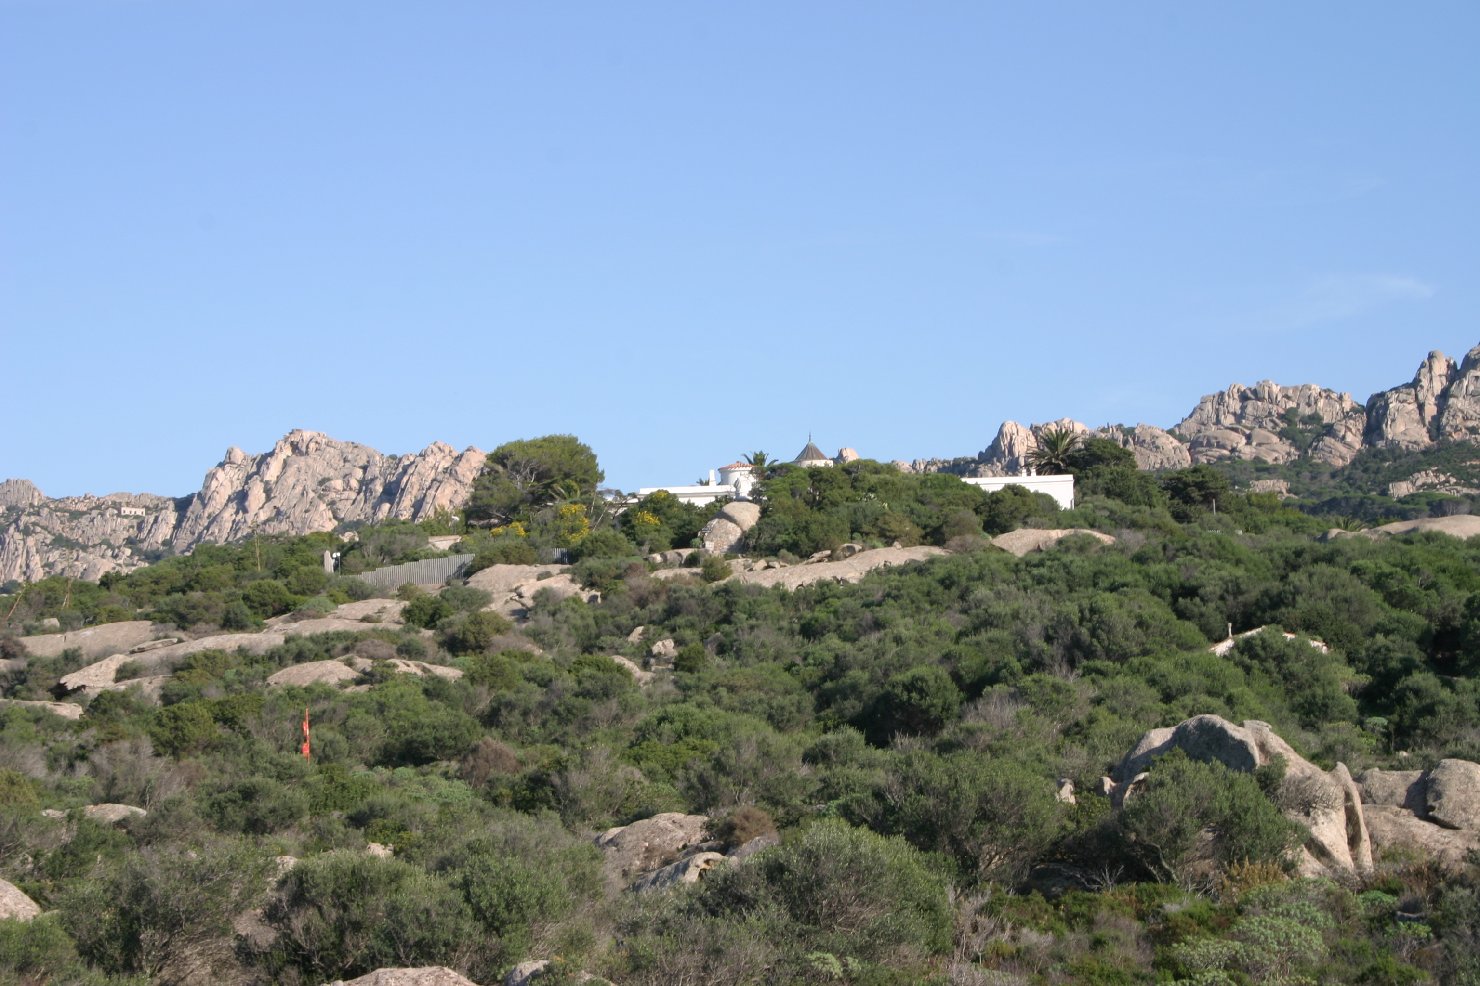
{"x":1008,"y":453}
{"x":1459,"y":417}
{"x":1246,"y":423}
{"x":1153,"y":447}
{"x":1442,"y":402}
{"x":1271,"y":423}
{"x":19,"y":493}
{"x":1331,"y":806}
{"x":1461,"y":526}
{"x":1408,"y":416}
{"x":308,"y":482}
{"x":850,"y":570}
{"x":311,"y":482}
{"x":83,"y":536}
{"x":67,"y":710}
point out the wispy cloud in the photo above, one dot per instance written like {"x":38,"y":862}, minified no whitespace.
{"x":1336,"y":297}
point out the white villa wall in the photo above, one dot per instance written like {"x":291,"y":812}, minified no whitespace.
{"x":697,"y":495}
{"x":1061,"y":488}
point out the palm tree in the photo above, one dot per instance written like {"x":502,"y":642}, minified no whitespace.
{"x":759,"y":463}
{"x":1056,"y":446}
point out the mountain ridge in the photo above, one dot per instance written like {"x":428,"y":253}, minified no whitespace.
{"x":1270,"y":423}
{"x":310,"y":482}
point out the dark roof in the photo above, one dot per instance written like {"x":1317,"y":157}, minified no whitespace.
{"x":811,"y":454}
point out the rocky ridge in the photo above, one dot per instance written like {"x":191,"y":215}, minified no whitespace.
{"x":307,"y":482}
{"x":1271,"y":423}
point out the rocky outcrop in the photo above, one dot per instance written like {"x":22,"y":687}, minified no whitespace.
{"x":1270,"y":423}
{"x":535,"y":971}
{"x":113,"y":814}
{"x":515,"y":588}
{"x":1028,"y":540}
{"x":20,"y":493}
{"x":848,"y":570}
{"x":1452,"y":794}
{"x":690,"y":869}
{"x":308,"y":482}
{"x":724,"y":533}
{"x":1261,"y":423}
{"x":1408,"y":416}
{"x":353,"y":670}
{"x":628,"y":851}
{"x":1461,"y":526}
{"x":1434,"y":811}
{"x":67,"y":710}
{"x":86,"y":536}
{"x":434,"y":975}
{"x":1459,"y":411}
{"x":1328,"y":804}
{"x":102,"y":640}
{"x":15,"y":905}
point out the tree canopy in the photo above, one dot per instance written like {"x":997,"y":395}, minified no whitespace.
{"x":522,"y":476}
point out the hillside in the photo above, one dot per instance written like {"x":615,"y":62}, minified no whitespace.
{"x":1040,"y":758}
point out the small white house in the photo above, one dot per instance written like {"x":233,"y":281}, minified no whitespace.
{"x":1061,"y":488}
{"x":728,"y":474}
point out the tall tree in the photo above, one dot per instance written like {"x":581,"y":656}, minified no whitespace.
{"x":759,"y":462}
{"x":522,"y":476}
{"x":1052,"y":454}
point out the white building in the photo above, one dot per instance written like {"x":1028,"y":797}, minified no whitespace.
{"x":737,"y":480}
{"x":1061,"y":488}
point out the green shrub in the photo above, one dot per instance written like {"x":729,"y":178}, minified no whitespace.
{"x":1164,"y":824}
{"x":344,"y":914}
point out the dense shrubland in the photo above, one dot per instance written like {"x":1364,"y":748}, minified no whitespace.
{"x":906,"y":737}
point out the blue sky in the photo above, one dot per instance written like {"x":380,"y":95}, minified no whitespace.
{"x":688,"y":231}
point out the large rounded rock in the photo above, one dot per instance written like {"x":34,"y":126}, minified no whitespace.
{"x":690,"y":869}
{"x":1397,"y":828}
{"x":741,"y":513}
{"x":720,"y":536}
{"x":113,"y":814}
{"x":332,"y":673}
{"x":1330,"y":806}
{"x":1398,"y":788}
{"x":1204,"y":737}
{"x":1453,"y":794}
{"x":1026,"y":540}
{"x":15,"y":905}
{"x":649,"y":844}
{"x":432,"y":975}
